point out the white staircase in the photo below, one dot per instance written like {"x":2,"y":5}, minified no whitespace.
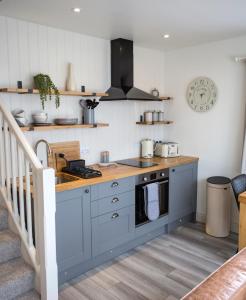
{"x":16,"y":277}
{"x":27,"y":218}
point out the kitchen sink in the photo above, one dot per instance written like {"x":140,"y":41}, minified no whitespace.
{"x":62,"y":178}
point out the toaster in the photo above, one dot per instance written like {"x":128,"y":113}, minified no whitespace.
{"x":166,"y":149}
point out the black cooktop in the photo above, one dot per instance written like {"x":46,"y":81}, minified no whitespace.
{"x":136,"y":163}
{"x":78,"y":168}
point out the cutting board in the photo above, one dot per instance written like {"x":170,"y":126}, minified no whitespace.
{"x":71,"y":150}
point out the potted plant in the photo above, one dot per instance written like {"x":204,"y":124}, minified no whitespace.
{"x":46,"y":88}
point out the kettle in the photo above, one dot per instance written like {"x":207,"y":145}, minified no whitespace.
{"x":147,"y":148}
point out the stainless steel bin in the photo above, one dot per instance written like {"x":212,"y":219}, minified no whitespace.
{"x":218,"y":206}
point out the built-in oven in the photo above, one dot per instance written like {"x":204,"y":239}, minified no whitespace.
{"x":161,"y":178}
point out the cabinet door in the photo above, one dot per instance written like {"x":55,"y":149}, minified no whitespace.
{"x":182,"y":191}
{"x":112,"y":229}
{"x":73,"y":227}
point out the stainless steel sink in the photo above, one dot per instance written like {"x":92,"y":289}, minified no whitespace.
{"x":59,"y":179}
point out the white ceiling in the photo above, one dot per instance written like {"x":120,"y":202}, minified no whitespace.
{"x":189,"y":22}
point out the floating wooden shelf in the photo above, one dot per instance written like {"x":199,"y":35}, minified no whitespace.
{"x":165,"y":98}
{"x":55,"y":127}
{"x":155,"y":123}
{"x":62,"y":93}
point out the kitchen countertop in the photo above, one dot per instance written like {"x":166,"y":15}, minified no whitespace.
{"x":242,"y":198}
{"x":122,"y":171}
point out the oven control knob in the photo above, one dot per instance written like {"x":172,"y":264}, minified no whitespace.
{"x":145,"y":179}
{"x":162,"y":174}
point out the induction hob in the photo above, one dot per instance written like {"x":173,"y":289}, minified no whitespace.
{"x":136,"y":163}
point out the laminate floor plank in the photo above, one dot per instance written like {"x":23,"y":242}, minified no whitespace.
{"x":154,"y":278}
{"x":91,"y":290}
{"x":165,"y":268}
{"x":68,"y":292}
{"x":142,"y":286}
{"x":219,"y":242}
{"x":197,"y":261}
{"x":173,"y":261}
{"x":125,"y":292}
{"x":212,"y":258}
{"x":184,"y":278}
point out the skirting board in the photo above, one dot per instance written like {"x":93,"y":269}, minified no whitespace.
{"x":202,"y":219}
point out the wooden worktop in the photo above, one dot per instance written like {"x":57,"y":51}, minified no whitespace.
{"x":122,"y":171}
{"x":242,"y":221}
{"x":242,"y":198}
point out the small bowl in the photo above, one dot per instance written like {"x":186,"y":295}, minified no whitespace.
{"x":40,"y":118}
{"x":21,"y":121}
{"x":40,"y":114}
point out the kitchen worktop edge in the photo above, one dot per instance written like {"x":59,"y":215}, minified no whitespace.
{"x":122,"y":171}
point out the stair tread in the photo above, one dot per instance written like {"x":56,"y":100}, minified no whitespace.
{"x":12,"y":269}
{"x":16,"y":278}
{"x":9,"y":245}
{"x":8,"y":236}
{"x":32,"y":295}
{"x":3,"y":218}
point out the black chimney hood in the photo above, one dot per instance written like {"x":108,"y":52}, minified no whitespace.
{"x":122,"y":74}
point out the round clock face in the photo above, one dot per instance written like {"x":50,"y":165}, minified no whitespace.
{"x":202,"y":94}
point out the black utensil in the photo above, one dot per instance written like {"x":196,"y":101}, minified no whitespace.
{"x":95,"y":105}
{"x":89,"y":103}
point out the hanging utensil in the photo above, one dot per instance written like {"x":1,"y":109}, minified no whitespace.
{"x":82,"y":103}
{"x":95,"y":105}
{"x":89,"y":103}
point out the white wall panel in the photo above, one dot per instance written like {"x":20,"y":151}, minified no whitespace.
{"x":28,"y":48}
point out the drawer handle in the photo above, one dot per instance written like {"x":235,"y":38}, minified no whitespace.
{"x":114,"y":200}
{"x":115,"y":215}
{"x":114,"y":184}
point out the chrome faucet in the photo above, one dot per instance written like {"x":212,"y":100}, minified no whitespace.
{"x":48,"y":149}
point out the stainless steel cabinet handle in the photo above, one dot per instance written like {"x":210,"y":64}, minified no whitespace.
{"x":115,"y":215}
{"x":114,"y":200}
{"x":115,"y":184}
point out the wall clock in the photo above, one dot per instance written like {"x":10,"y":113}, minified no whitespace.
{"x":201,"y":94}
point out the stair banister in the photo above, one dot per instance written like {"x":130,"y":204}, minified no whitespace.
{"x":28,"y":191}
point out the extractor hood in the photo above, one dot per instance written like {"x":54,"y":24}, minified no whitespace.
{"x":122,"y":74}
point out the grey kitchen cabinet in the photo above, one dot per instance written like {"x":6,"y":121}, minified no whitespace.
{"x":73,"y":227}
{"x":112,"y":203}
{"x":112,"y":229}
{"x":182,"y":191}
{"x":114,"y":187}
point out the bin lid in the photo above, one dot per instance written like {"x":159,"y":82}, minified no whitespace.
{"x":220,"y":180}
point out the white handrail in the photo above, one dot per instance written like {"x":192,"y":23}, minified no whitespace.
{"x":20,"y":137}
{"x":28,"y":191}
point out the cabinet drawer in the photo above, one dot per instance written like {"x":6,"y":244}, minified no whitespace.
{"x":113,"y":187}
{"x":112,"y":230}
{"x":112,"y":203}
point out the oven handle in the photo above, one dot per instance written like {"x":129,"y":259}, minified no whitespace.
{"x":159,"y":183}
{"x":162,"y":182}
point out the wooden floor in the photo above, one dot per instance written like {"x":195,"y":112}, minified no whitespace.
{"x":165,"y":268}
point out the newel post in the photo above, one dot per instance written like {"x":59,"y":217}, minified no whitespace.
{"x":46,"y":233}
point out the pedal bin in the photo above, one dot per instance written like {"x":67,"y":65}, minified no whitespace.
{"x":218,"y":206}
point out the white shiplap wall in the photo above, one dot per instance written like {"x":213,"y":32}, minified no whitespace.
{"x":27,"y":49}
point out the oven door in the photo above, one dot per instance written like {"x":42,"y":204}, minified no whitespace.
{"x":140,"y":215}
